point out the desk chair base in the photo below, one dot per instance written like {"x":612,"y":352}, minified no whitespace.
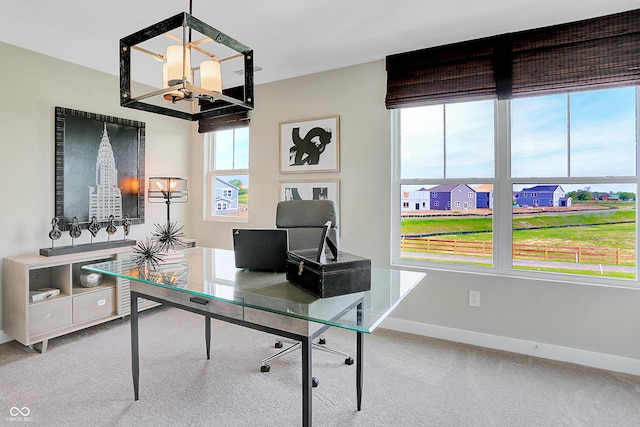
{"x":319,"y":345}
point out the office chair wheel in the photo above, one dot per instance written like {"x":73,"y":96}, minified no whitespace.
{"x":278,"y":344}
{"x":322,"y":341}
{"x":314,"y":382}
{"x":348,"y":361}
{"x":265,"y":368}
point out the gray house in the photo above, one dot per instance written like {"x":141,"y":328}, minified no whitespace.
{"x":226,"y":200}
{"x":452,"y":197}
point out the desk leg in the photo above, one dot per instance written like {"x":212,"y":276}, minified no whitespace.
{"x":207,"y":335}
{"x":359,"y":358}
{"x":135,"y":365}
{"x":359,"y":342}
{"x":306,"y":382}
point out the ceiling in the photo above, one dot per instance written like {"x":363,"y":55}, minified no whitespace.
{"x":290,"y":38}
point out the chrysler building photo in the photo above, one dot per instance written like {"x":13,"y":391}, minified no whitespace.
{"x":105,"y":198}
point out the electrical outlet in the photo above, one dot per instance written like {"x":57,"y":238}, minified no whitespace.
{"x":474,"y":298}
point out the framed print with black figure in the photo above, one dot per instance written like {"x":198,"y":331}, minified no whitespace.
{"x":311,"y":190}
{"x":311,"y":145}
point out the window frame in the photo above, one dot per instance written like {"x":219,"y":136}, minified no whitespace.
{"x":503,"y":184}
{"x":209,"y":175}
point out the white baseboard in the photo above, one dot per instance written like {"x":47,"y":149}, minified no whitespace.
{"x":4,"y":338}
{"x":546,"y":351}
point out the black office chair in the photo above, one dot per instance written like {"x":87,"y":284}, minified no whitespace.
{"x":304,"y":220}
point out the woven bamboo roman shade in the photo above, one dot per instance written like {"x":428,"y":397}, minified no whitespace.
{"x":232,"y":121}
{"x":229,"y":121}
{"x":598,"y":52}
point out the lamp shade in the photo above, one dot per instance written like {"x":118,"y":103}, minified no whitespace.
{"x":163,"y":189}
{"x":211,"y":76}
{"x":176,"y":68}
{"x":174,"y":94}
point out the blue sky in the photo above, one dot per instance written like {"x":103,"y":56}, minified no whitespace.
{"x":593,"y":133}
{"x":469,"y":149}
{"x":586,"y":134}
{"x":232,"y":152}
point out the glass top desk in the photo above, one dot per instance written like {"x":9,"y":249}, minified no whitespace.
{"x":206,"y":282}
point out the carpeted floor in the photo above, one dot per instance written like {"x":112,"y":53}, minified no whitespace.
{"x":84,"y":379}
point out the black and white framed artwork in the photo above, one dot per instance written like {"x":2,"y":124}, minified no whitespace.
{"x":311,"y":145}
{"x":310,"y":190}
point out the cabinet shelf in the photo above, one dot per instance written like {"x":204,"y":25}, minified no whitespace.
{"x":53,"y":298}
{"x":75,"y":308}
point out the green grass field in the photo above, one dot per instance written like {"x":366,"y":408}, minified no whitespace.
{"x":611,"y":228}
{"x":614,"y":274}
{"x":573,"y":228}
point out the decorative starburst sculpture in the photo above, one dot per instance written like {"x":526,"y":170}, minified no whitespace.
{"x":168,"y":236}
{"x":147,"y":253}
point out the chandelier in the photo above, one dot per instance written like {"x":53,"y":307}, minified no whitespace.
{"x":189,"y":56}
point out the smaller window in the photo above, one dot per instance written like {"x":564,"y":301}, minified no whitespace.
{"x":228,"y":175}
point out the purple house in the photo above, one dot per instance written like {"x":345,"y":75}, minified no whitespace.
{"x":543,"y":195}
{"x":452,"y":196}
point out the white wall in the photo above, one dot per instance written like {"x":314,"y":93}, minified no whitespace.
{"x":592,"y":325}
{"x":34,"y":85}
{"x":357,"y":95}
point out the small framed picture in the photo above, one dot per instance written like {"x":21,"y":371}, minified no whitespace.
{"x":310,"y":190}
{"x":310,"y":145}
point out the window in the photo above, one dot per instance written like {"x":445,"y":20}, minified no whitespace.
{"x":227,"y":179}
{"x":566,"y":174}
{"x":584,"y":146}
{"x":447,"y":159}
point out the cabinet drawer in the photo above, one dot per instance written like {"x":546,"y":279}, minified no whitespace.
{"x":46,"y":316}
{"x":93,"y":305}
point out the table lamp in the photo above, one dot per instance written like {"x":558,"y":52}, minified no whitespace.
{"x":168,"y":190}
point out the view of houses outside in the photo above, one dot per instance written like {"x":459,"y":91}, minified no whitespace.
{"x":553,"y":230}
{"x":229,"y":177}
{"x":559,"y":224}
{"x":231,"y":195}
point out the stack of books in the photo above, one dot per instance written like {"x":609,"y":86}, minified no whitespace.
{"x":171,"y":257}
{"x":42,"y":294}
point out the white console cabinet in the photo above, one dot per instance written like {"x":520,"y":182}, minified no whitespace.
{"x":75,"y":308}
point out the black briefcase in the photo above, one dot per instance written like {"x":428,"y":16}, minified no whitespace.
{"x":328,"y":277}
